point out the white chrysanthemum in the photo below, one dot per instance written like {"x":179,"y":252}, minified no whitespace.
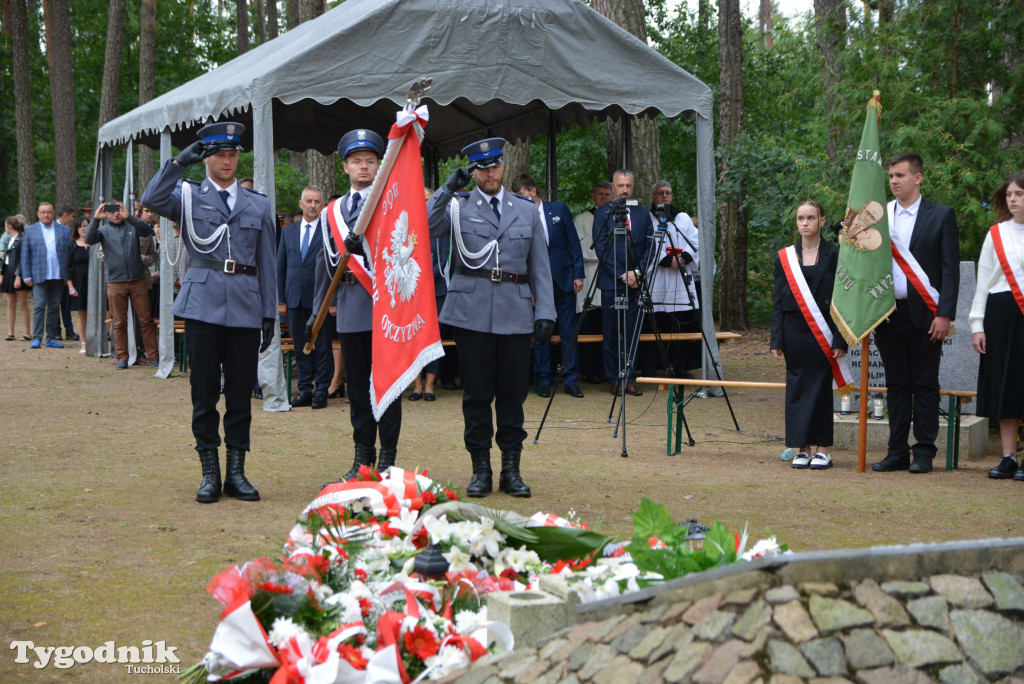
{"x":467,"y":621}
{"x":360,"y":590}
{"x":322,"y":592}
{"x":349,"y":604}
{"x":458,"y":560}
{"x":447,"y":659}
{"x":282,"y":630}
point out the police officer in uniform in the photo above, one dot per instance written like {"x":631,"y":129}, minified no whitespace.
{"x":362,"y":150}
{"x":228,"y":295}
{"x":499,"y":266}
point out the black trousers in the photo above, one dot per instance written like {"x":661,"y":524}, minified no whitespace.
{"x":317,"y":367}
{"x":235,"y":350}
{"x":495,"y":368}
{"x":911,"y":363}
{"x":610,"y":329}
{"x":357,"y":350}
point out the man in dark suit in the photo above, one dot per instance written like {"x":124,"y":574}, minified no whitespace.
{"x":499,"y":265}
{"x":566,"y":259}
{"x":910,"y":340}
{"x":42,"y":264}
{"x":297,"y":255}
{"x":361,"y":150}
{"x":228,"y":295}
{"x":623,"y":263}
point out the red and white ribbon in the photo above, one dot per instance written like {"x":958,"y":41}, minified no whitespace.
{"x":841,"y":375}
{"x":382,"y":500}
{"x":339,"y":229}
{"x":241,"y":641}
{"x":911,"y":268}
{"x":1011,"y":266}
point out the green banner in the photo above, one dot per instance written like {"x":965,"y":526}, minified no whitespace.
{"x":863,"y":294}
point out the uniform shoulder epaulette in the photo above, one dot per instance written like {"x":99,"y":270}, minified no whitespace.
{"x":523,"y":197}
{"x":463,"y":195}
{"x":253,"y":191}
{"x":192,"y":182}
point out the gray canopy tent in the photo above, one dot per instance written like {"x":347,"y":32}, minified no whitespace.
{"x":511,"y":68}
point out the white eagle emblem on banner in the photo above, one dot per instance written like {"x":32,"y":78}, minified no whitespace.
{"x":402,"y":272}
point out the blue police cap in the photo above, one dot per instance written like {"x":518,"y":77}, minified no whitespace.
{"x":360,"y":139}
{"x":224,"y":135}
{"x":485,"y":153}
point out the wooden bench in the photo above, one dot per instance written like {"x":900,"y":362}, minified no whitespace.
{"x":956,"y":400}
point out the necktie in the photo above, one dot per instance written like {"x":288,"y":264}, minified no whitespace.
{"x":224,"y":194}
{"x":305,"y":239}
{"x":355,"y":203}
{"x":494,"y":206}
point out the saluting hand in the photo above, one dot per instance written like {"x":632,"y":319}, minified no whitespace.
{"x":192,"y":154}
{"x":458,"y":179}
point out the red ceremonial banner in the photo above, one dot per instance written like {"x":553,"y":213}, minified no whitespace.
{"x":406,"y":335}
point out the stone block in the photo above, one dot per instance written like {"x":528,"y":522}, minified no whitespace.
{"x":745,"y":672}
{"x":652,"y":640}
{"x":674,"y":612}
{"x":599,"y":658}
{"x":973,"y":436}
{"x":794,"y":621}
{"x":786,"y":659}
{"x":619,"y":670}
{"x":866,"y":650}
{"x":831,"y":615}
{"x":902,"y":588}
{"x":702,"y":608}
{"x":921,"y":647}
{"x":960,"y":674}
{"x":826,"y":655}
{"x":783,"y":594}
{"x":931,"y":612}
{"x":686,"y":662}
{"x":1007,"y":592}
{"x":533,"y":616}
{"x":740,"y":597}
{"x":714,"y":625}
{"x":888,"y":612}
{"x":992,"y":643}
{"x":756,"y":616}
{"x":676,"y":640}
{"x":963,"y":592}
{"x":820,"y":588}
{"x":900,"y":674}
{"x":625,"y":642}
{"x":720,"y":664}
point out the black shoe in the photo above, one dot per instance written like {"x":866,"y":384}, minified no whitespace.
{"x":387,"y":459}
{"x":510,"y":481}
{"x":338,"y":393}
{"x":544,"y":391}
{"x":633,"y":391}
{"x":304,"y":399}
{"x":257,"y":392}
{"x":614,"y":387}
{"x":415,"y":396}
{"x":209,"y":488}
{"x":154,"y":363}
{"x":448,"y":385}
{"x":319,"y":401}
{"x":921,"y":464}
{"x":892,"y":463}
{"x":235,"y":483}
{"x":481,"y":483}
{"x":365,"y":456}
{"x":574,"y":391}
{"x":1006,"y":469}
{"x":72,"y":336}
{"x":121,"y":365}
{"x":429,"y":396}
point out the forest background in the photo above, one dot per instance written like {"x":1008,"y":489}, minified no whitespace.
{"x":790,"y":95}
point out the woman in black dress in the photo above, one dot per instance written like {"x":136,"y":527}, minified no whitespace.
{"x":808,"y":371}
{"x":11,"y":283}
{"x":76,"y":265}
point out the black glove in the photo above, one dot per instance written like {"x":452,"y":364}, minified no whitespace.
{"x":543,"y":329}
{"x":687,"y":258}
{"x":268,"y":334}
{"x":309,"y":327}
{"x":192,"y":154}
{"x":354,"y":244}
{"x":458,"y":179}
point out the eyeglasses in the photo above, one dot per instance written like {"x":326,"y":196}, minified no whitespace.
{"x":664,"y":192}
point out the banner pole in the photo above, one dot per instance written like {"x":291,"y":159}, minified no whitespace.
{"x":862,"y":426}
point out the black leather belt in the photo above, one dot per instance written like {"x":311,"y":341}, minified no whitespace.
{"x":349,"y":278}
{"x":495,"y":275}
{"x":900,"y":303}
{"x":229,"y":266}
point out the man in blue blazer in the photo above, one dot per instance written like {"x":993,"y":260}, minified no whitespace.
{"x":566,"y":260}
{"x":622,"y":266}
{"x":42,"y":269}
{"x":297,"y":255}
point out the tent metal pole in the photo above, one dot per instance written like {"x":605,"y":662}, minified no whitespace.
{"x":627,"y":142}
{"x":552,"y":170}
{"x":167,"y":276}
{"x":707,"y":231}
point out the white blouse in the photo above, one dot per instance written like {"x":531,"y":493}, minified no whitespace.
{"x":991,"y":278}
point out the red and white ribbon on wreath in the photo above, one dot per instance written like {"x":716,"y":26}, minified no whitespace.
{"x":1011,"y":267}
{"x":911,"y":268}
{"x":241,"y":642}
{"x":339,"y":229}
{"x":841,"y":375}
{"x":382,"y":500}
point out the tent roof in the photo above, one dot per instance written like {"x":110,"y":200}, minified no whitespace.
{"x":498,"y":69}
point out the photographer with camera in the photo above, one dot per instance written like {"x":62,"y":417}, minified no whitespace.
{"x":118,"y":231}
{"x":622,"y":265}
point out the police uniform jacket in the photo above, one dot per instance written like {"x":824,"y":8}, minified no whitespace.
{"x":355,"y":306}
{"x":478,"y":304}
{"x":212,"y":296}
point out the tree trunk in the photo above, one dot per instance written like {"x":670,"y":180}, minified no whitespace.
{"x":733,"y":291}
{"x":764,"y":21}
{"x":703,"y":16}
{"x":517,"y":160}
{"x":242,"y":15}
{"x":886,"y":11}
{"x":20,"y":42}
{"x":629,"y":14}
{"x":261,"y":24}
{"x":112,"y":62}
{"x":293,"y":14}
{"x":830,"y":22}
{"x":272,"y":19}
{"x":147,"y":83}
{"x":57,"y":14}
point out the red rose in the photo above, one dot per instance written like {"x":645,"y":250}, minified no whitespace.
{"x":429,"y":498}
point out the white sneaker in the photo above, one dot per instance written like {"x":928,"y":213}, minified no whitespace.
{"x":821,"y":461}
{"x":801,"y":460}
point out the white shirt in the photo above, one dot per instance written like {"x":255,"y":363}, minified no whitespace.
{"x":668,"y":290}
{"x":232,"y":192}
{"x":487,"y":198}
{"x":543,"y":222}
{"x":991,"y":278}
{"x":903,"y":228}
{"x":52,"y":263}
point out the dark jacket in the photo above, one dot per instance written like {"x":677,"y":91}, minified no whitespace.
{"x":820,"y":282}
{"x":122,"y":254}
{"x":935,"y":244}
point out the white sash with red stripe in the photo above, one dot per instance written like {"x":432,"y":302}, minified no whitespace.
{"x":340,"y":229}
{"x":841,"y":375}
{"x":1011,"y":265}
{"x":908,"y":264}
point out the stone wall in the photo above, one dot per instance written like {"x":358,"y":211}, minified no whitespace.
{"x":952,"y":613}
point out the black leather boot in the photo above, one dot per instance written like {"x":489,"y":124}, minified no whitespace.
{"x":365,"y":456}
{"x":481,"y":484}
{"x":510,"y":481}
{"x":209,"y":488}
{"x":235,"y":483}
{"x":387,"y":458}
